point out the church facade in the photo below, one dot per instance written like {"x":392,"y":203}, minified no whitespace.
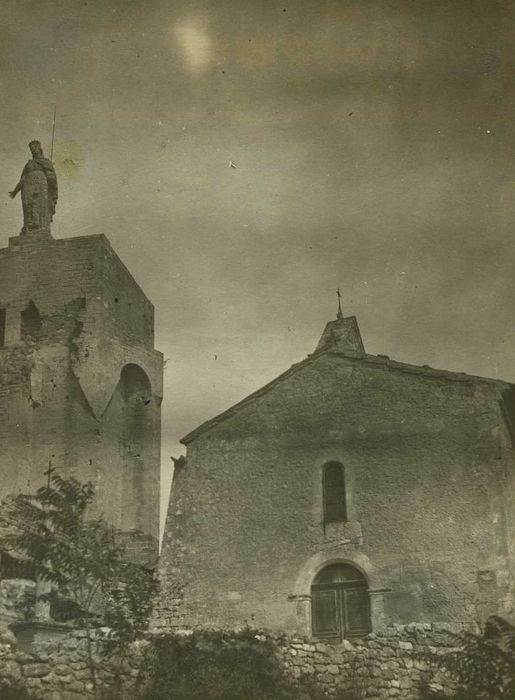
{"x":350,"y":493}
{"x":80,"y":379}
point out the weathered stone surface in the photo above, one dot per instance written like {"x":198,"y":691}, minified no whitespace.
{"x":10,"y":669}
{"x":366,"y":668}
{"x":32,"y":670}
{"x":426,"y":455}
{"x":76,"y":363}
{"x":61,"y":669}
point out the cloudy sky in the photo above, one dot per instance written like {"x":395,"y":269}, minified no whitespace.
{"x":374,"y":148}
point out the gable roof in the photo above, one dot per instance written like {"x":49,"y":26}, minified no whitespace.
{"x":349,"y":355}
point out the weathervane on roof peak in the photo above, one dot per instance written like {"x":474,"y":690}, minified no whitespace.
{"x":339,"y":314}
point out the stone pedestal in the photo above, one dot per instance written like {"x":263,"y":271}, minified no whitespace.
{"x":33,"y":238}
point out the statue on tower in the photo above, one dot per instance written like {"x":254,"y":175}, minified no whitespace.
{"x":38,"y":185}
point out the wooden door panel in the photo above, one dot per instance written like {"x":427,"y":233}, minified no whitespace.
{"x":326,"y":614}
{"x":356,"y":612}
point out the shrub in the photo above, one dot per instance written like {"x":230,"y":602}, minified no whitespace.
{"x":14,"y":690}
{"x":219,"y":665}
{"x":483,"y":667}
{"x":80,"y":557}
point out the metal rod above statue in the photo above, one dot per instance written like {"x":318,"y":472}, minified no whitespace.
{"x":38,"y":186}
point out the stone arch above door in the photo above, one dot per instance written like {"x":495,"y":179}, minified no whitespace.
{"x":337,"y":555}
{"x":301,"y":594}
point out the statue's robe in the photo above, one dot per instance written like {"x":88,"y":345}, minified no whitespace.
{"x":38,"y":194}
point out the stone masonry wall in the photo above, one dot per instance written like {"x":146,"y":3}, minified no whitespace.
{"x":426,"y":456}
{"x":55,"y":272}
{"x":390,"y":664}
{"x":393,"y":663}
{"x":62,"y":670}
{"x":74,"y":320}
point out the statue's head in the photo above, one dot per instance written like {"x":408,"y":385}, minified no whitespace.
{"x":35,"y":148}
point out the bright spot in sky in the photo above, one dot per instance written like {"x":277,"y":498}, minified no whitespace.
{"x":195,"y":44}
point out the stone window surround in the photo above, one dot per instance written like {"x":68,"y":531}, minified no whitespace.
{"x":329,"y":456}
{"x":333,"y":474}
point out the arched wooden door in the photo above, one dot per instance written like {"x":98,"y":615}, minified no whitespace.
{"x":340,"y":604}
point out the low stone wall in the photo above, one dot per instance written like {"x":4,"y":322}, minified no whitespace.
{"x":62,"y":670}
{"x":392,"y":663}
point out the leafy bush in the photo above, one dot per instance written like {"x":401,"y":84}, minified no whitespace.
{"x":14,"y":690}
{"x":483,"y":667}
{"x":52,"y":532}
{"x":219,"y":665}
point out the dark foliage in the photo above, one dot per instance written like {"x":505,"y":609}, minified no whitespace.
{"x":483,"y":667}
{"x":128,"y":603}
{"x":219,"y":665}
{"x":52,"y":533}
{"x":92,"y":581}
{"x":14,"y":690}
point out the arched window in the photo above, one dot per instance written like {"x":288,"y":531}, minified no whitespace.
{"x":335,"y":501}
{"x":133,"y":380}
{"x":340,"y":604}
{"x":137,"y":437}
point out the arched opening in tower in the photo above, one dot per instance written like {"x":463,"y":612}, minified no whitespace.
{"x":136,"y":437}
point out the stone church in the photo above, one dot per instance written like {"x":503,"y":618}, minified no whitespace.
{"x":350,"y":493}
{"x":80,"y":380}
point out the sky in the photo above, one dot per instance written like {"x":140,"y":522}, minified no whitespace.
{"x":374,"y":152}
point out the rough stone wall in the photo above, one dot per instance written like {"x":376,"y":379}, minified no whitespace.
{"x":426,"y":466}
{"x":390,"y":664}
{"x":62,"y":670}
{"x":15,"y":416}
{"x":52,"y":273}
{"x":393,"y":663}
{"x":75,"y":319}
{"x":130,"y":314}
{"x":507,"y":513}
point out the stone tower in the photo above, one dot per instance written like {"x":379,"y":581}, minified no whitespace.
{"x":80,"y":380}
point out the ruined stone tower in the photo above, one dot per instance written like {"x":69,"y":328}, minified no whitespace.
{"x":80,"y":380}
